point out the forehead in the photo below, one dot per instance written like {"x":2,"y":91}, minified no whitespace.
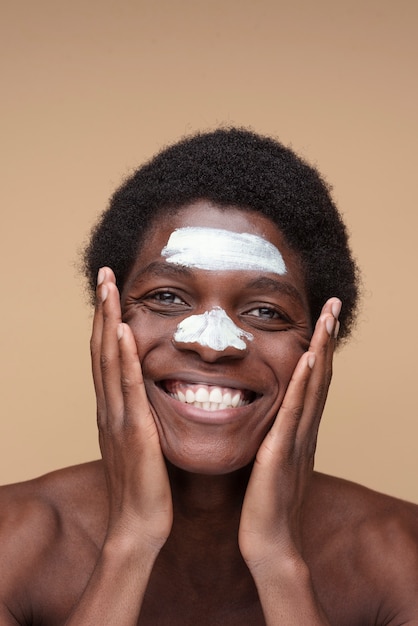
{"x":255,"y":231}
{"x":218,"y":249}
{"x":204,"y":214}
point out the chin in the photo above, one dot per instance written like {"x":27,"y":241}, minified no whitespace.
{"x":208,"y":463}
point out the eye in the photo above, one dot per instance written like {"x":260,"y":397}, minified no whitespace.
{"x":165,"y":297}
{"x":269,"y":318}
{"x":265,"y":313}
{"x":162,"y":301}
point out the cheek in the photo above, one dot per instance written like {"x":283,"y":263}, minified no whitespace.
{"x":151,"y":332}
{"x":282,"y":352}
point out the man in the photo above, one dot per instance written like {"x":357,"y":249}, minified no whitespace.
{"x":224,"y":283}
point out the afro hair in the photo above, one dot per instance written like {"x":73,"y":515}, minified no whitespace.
{"x":234,"y":167}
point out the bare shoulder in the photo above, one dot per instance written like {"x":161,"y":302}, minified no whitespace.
{"x":365,"y":512}
{"x":354,"y":503}
{"x":370,"y":543}
{"x":39,"y":520}
{"x":50,"y":498}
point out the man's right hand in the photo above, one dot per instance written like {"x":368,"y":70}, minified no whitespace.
{"x":140,"y":504}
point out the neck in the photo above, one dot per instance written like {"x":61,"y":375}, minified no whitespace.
{"x":215,"y":497}
{"x":203,"y":544}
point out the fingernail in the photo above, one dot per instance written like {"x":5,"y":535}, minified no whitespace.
{"x":104,"y":293}
{"x":337,"y":329}
{"x":119,"y":331}
{"x":311,"y":360}
{"x":329,"y":325}
{"x":100,"y":276}
{"x":336,"y":308}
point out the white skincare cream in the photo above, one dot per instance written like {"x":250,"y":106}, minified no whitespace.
{"x":213,"y":329}
{"x":217,"y":249}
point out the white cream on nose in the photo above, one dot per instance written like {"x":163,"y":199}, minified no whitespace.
{"x":213,"y":329}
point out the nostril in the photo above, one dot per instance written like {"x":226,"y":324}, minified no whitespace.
{"x":209,"y":354}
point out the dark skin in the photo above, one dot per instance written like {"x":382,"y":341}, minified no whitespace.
{"x":177,"y":524}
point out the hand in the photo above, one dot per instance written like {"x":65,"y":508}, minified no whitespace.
{"x":271,"y":518}
{"x":140,"y":504}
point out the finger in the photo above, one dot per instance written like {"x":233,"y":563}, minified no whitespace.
{"x":300,"y":412}
{"x":109,"y":354}
{"x":282,"y":436}
{"x":139,"y":424}
{"x":139,"y":418}
{"x":322,"y":346}
{"x":96,"y":343}
{"x":138,"y":413}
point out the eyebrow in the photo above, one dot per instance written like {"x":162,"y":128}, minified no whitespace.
{"x":262,"y":283}
{"x":161,"y":268}
{"x":265,"y":283}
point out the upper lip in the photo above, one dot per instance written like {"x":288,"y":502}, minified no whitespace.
{"x":196,"y":379}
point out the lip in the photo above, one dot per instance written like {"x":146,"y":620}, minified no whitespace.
{"x":195,"y":414}
{"x":203,"y":416}
{"x":194,"y":378}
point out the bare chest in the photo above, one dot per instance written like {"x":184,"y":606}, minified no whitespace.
{"x":174,"y":598}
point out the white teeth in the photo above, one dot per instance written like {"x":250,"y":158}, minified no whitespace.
{"x":227,"y":397}
{"x":190,"y":398}
{"x":202,"y":395}
{"x":213,"y":400}
{"x":215,"y":395}
{"x":235,"y":400}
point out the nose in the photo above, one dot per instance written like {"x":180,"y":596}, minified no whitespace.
{"x":213,"y":335}
{"x":209,"y":354}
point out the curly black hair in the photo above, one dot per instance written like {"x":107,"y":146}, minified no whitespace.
{"x":234,"y":167}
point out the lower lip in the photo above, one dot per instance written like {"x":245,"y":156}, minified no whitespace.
{"x":195,"y":414}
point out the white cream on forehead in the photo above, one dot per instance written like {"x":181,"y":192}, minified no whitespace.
{"x":218,"y":249}
{"x":213,"y":329}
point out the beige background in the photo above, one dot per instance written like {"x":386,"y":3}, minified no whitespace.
{"x":92,"y":88}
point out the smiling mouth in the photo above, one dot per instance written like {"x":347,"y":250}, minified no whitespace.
{"x":208,"y":397}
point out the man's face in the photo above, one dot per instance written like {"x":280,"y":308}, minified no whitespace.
{"x":218,"y":307}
